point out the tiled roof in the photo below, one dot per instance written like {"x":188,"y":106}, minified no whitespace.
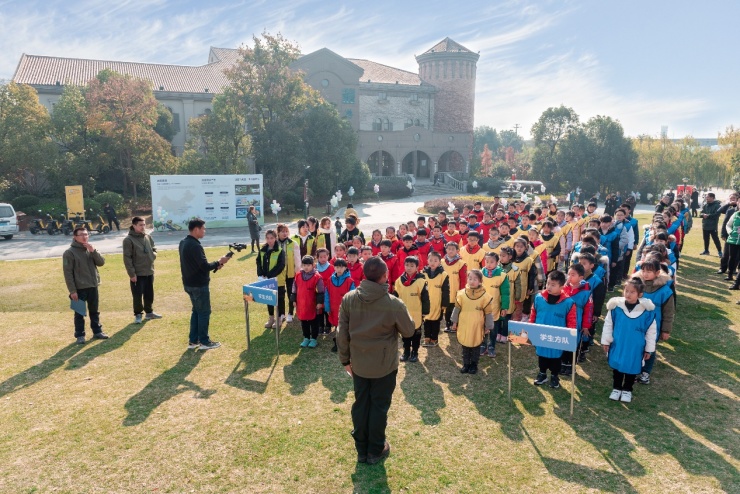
{"x":40,"y":70}
{"x":377,"y":72}
{"x":447,"y":45}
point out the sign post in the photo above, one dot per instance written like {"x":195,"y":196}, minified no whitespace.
{"x":542,"y":335}
{"x":261,"y":292}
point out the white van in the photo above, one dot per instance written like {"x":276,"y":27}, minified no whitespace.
{"x":8,"y":221}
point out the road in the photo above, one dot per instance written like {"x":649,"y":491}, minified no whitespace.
{"x":372,"y":214}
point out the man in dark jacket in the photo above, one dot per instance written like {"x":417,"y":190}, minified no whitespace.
{"x":195,"y":270}
{"x":139,"y":254}
{"x":80,"y":263}
{"x":710,"y":219}
{"x":110,"y":214}
{"x":728,"y":210}
{"x":367,"y":338}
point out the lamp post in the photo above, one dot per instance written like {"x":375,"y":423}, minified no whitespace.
{"x":305,"y":190}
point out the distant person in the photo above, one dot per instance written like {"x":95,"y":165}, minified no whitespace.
{"x":350,"y":211}
{"x":370,"y":320}
{"x":664,"y":202}
{"x":139,"y":254}
{"x":80,"y":263}
{"x":709,"y":223}
{"x":110,"y":214}
{"x":254,"y":228}
{"x":694,"y":203}
{"x":195,"y":270}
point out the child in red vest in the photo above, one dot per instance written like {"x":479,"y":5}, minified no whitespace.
{"x":451,"y":234}
{"x":325,"y":269}
{"x":438,"y":240}
{"x":390,"y":235}
{"x":423,"y":246}
{"x":408,"y":249}
{"x":375,"y":242}
{"x":391,"y":260}
{"x":308,"y":296}
{"x":354,"y":266}
{"x":340,"y":283}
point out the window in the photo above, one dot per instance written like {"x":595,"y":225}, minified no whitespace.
{"x":408,"y":123}
{"x":175,"y":120}
{"x":348,"y":114}
{"x":414,"y":97}
{"x":382,"y":95}
{"x":387,"y":124}
{"x":417,"y":123}
{"x":377,"y":124}
{"x":348,"y":96}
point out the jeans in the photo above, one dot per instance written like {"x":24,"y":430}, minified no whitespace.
{"x":143,"y":294}
{"x":200,"y":296}
{"x":370,"y":412}
{"x":649,"y":363}
{"x":89,"y":295}
{"x":715,"y":238}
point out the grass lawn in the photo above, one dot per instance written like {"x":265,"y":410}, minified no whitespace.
{"x":140,"y":413}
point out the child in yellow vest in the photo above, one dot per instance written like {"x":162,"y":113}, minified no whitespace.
{"x":438,"y":287}
{"x":457,"y":272}
{"x":472,"y":253}
{"x":411,"y":288}
{"x":496,"y":283}
{"x":473,"y":319}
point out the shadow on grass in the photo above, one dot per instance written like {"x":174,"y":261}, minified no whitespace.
{"x":40,"y":371}
{"x":314,"y":364}
{"x":371,"y":479}
{"x":115,"y":342}
{"x":423,"y":393}
{"x":167,"y":385}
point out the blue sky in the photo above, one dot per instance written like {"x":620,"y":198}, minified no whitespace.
{"x":645,"y":63}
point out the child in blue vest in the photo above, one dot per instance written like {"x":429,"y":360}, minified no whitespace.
{"x":579,"y":291}
{"x":594,"y":276}
{"x":554,"y":308}
{"x":628,"y":337}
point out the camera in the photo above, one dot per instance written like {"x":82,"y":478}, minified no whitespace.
{"x":232,"y":248}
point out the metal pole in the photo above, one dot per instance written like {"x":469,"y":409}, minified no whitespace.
{"x":277,"y":332}
{"x":246,"y":316}
{"x":573,"y":379}
{"x":508,"y":345}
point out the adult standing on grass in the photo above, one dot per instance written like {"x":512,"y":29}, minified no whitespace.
{"x":254,"y":227}
{"x":733,"y":243}
{"x":139,"y":254}
{"x":195,"y":270}
{"x":110,"y":213}
{"x":80,"y":263}
{"x":370,"y":320}
{"x":709,"y":221}
{"x":728,"y":210}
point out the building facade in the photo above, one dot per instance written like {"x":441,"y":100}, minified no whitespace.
{"x":415,"y":123}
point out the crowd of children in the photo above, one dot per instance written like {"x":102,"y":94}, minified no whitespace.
{"x":471,"y":273}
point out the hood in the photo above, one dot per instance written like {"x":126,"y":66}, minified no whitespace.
{"x":369,"y":291}
{"x":433,"y":274}
{"x":338,"y":280}
{"x":132,"y":233}
{"x":77,"y":245}
{"x":661,"y":280}
{"x":563,"y":296}
{"x":643,"y":305}
{"x":474,"y":293}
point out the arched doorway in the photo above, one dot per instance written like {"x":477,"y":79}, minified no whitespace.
{"x":381,"y":163}
{"x":417,"y":163}
{"x":451,"y":161}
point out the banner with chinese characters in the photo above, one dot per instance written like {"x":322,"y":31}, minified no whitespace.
{"x":220,"y":200}
{"x":544,"y":336}
{"x":262,"y":292}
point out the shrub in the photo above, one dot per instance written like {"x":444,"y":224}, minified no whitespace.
{"x":435,"y":205}
{"x":392,"y":188}
{"x":115,"y":200}
{"x":25,"y":202}
{"x":490,"y":185}
{"x":94,"y":205}
{"x":357,"y":176}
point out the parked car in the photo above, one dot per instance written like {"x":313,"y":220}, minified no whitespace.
{"x":8,"y":221}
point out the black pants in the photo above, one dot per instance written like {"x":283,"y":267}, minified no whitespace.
{"x":89,"y":295}
{"x":615,"y":274}
{"x":255,"y":244}
{"x":143,"y":293}
{"x":527,"y":305}
{"x":289,"y":290}
{"x":551,"y":364}
{"x":311,"y":328}
{"x":112,"y":220}
{"x":370,"y":412}
{"x":626,"y":265}
{"x":431,"y":329}
{"x":280,"y":305}
{"x":470,"y":355}
{"x":715,"y":238}
{"x":730,"y":258}
{"x":448,"y":315}
{"x":622,"y":381}
{"x":412,"y":344}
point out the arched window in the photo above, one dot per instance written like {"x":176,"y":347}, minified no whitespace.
{"x":408,"y":123}
{"x":377,"y":124}
{"x":417,"y":123}
{"x":386,"y":124}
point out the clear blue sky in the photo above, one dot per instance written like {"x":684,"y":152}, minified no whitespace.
{"x":645,"y":63}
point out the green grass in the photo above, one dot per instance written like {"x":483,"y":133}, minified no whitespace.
{"x":140,"y":413}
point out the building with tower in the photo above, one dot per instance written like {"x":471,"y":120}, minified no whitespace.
{"x":415,"y":123}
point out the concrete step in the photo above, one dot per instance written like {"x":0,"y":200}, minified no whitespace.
{"x":432,"y":190}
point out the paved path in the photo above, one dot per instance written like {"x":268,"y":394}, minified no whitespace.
{"x":373,"y":215}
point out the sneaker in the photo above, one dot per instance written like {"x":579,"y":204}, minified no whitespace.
{"x":153,"y":315}
{"x":312,"y":343}
{"x":101,"y":336}
{"x":433,"y":343}
{"x":305,"y":342}
{"x":554,"y":382}
{"x":615,"y":395}
{"x":427,"y":342}
{"x":289,"y":318}
{"x":465,"y":369}
{"x":729,"y":278}
{"x":643,"y":378}
{"x":541,"y":379}
{"x":270,"y":322}
{"x":334,"y":349}
{"x":405,"y":357}
{"x":414,"y":357}
{"x":137,"y":319}
{"x":80,"y":340}
{"x":209,"y":346}
{"x":610,"y":289}
{"x":448,"y":329}
{"x":719,"y":271}
{"x":491,"y":352}
{"x":626,"y":397}
{"x":192,"y":346}
{"x":372,"y":460}
{"x":566,"y":370}
{"x":483,"y":351}
{"x":473,"y":369}
{"x":734,"y":287}
{"x":705,"y":253}
{"x":321,"y":330}
{"x":719,"y":253}
{"x":581,"y":357}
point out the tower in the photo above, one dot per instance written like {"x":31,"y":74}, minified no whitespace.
{"x":451,"y":68}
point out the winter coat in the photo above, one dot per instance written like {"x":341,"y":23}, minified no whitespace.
{"x":139,"y":254}
{"x":473,"y":315}
{"x":660,"y":292}
{"x":562,"y":313}
{"x":81,"y":267}
{"x":413,"y":292}
{"x":712,"y":220}
{"x":733,"y":229}
{"x":271,"y":263}
{"x":309,"y":292}
{"x":438,"y":288}
{"x":629,"y":334}
{"x":334,"y":291}
{"x":370,"y":320}
{"x":496,"y":283}
{"x":254,"y":226}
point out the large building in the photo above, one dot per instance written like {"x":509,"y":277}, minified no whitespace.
{"x":414,"y":123}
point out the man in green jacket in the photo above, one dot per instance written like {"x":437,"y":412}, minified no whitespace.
{"x":80,"y":263}
{"x":139,"y":254}
{"x":370,"y":320}
{"x":709,"y":220}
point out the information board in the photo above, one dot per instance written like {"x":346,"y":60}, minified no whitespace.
{"x":220,"y":200}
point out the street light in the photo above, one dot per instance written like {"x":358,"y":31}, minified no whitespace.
{"x":305,"y":189}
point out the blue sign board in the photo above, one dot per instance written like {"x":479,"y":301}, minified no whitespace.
{"x":263,"y":291}
{"x":545,"y":336}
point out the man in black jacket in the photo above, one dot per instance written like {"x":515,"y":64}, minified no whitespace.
{"x":195,"y":270}
{"x":710,"y":219}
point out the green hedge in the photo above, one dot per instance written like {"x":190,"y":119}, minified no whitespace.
{"x":393,"y":188}
{"x":116,"y":200}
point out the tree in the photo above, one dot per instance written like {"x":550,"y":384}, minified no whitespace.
{"x":26,"y":151}
{"x":550,"y":129}
{"x":510,"y":139}
{"x":123,"y":109}
{"x":485,"y":135}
